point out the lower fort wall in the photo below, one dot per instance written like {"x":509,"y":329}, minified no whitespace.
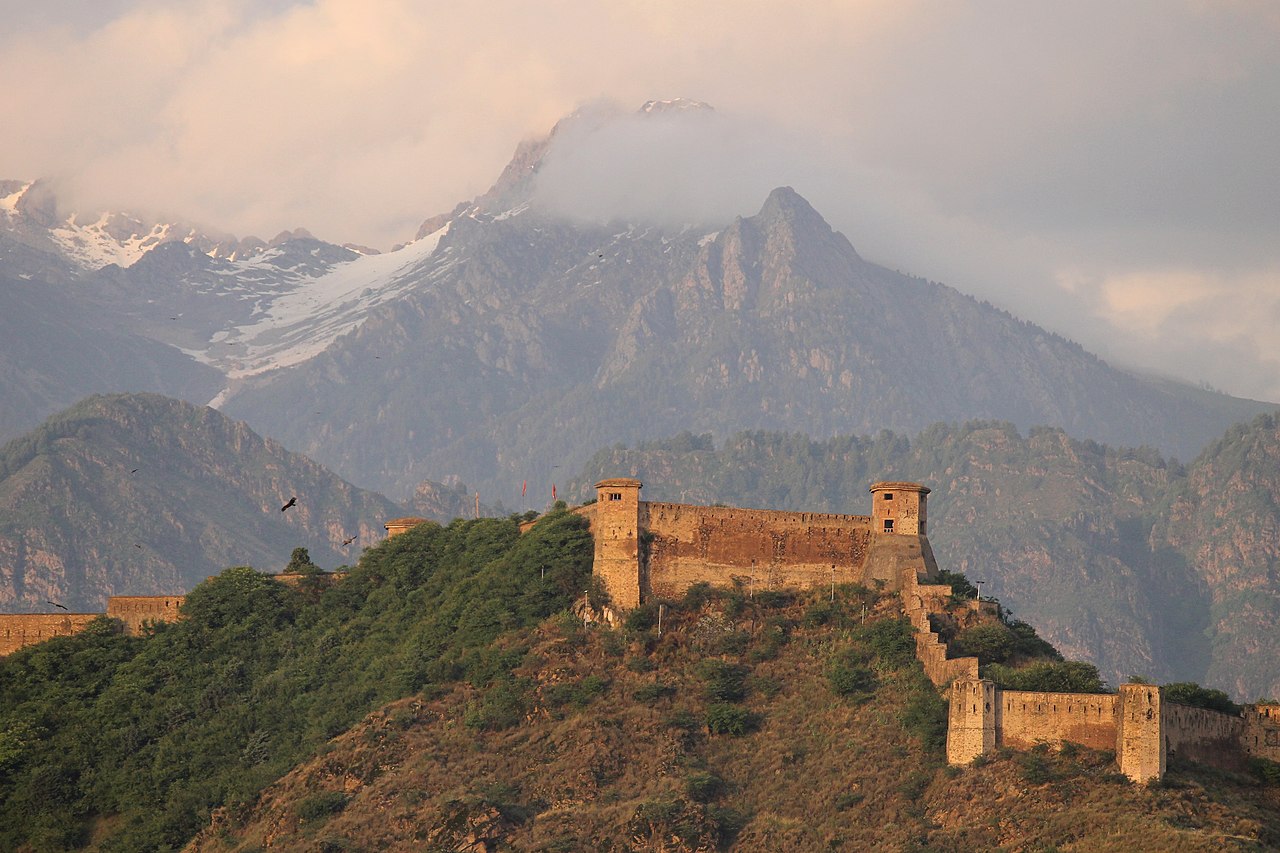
{"x":1026,"y":718}
{"x":762,"y":549}
{"x":137,"y":610}
{"x":25,"y":629}
{"x":1198,"y":734}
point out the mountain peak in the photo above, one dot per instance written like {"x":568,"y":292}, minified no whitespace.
{"x":672,"y":105}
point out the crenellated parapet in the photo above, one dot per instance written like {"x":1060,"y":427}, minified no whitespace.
{"x":648,"y":550}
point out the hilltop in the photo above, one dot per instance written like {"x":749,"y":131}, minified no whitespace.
{"x":443,"y":695}
{"x":1118,"y":555}
{"x":737,"y":729}
{"x":142,"y":494}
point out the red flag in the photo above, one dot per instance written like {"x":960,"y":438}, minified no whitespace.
{"x":524,"y":486}
{"x":553,"y":491}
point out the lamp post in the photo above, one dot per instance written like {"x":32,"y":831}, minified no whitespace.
{"x":979,"y":584}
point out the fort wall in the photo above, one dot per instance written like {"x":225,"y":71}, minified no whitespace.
{"x":761,"y":549}
{"x":919,"y":601}
{"x":24,"y":629}
{"x":1026,"y":718}
{"x":1199,"y":734}
{"x":135,"y":611}
{"x":646,"y":550}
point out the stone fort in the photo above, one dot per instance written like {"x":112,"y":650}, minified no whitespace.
{"x":646,"y":551}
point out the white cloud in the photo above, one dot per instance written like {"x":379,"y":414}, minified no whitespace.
{"x":1002,"y":148}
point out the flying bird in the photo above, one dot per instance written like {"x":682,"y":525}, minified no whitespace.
{"x":292,"y":502}
{"x":134,"y":471}
{"x":349,"y":540}
{"x":56,"y":604}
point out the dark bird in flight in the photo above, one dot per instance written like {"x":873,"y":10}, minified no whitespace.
{"x":56,"y":604}
{"x":292,"y":502}
{"x":134,"y":471}
{"x":349,"y":540}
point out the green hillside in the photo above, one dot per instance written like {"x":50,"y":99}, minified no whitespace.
{"x":442,"y":697}
{"x":132,"y":744}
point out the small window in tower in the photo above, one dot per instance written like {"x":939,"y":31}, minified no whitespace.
{"x":888,"y":525}
{"x":888,"y":496}
{"x":615,"y":496}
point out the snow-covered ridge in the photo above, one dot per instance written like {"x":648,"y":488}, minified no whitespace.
{"x":301,"y":321}
{"x":9,"y":203}
{"x":93,"y":245}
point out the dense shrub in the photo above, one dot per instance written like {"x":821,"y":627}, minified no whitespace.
{"x":322,"y":805}
{"x":992,"y":643}
{"x":727,"y":718}
{"x":848,"y":675}
{"x":1190,"y":693}
{"x":891,"y":640}
{"x":1049,"y":676}
{"x":723,"y":682}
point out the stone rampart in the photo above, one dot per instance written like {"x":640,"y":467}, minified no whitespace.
{"x":1026,"y":718}
{"x":762,"y":549}
{"x":135,"y":611}
{"x":24,"y":629}
{"x":1199,"y":734}
{"x":919,"y":601}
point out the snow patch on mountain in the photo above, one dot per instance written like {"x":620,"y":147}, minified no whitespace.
{"x":93,"y":246}
{"x":9,"y":203}
{"x":302,"y":321}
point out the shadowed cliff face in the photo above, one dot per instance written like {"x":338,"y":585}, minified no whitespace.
{"x":1226,"y":519}
{"x":1115,"y":555}
{"x":140,"y":494}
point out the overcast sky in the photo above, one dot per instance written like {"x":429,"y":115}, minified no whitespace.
{"x":1109,"y":170}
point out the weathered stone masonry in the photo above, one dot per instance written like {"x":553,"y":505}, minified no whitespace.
{"x":24,"y":629}
{"x":647,"y":550}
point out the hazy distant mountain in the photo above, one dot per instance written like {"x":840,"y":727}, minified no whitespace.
{"x":56,"y":349}
{"x":1115,"y":555}
{"x":528,"y":340}
{"x":511,"y":339}
{"x":140,"y":494}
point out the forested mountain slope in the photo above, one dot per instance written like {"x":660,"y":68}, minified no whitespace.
{"x":141,"y":494}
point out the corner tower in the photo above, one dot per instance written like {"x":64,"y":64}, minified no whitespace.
{"x":617,"y":535}
{"x":898,"y":508}
{"x":900,"y":549}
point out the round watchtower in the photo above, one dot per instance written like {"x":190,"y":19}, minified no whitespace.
{"x":898,"y":508}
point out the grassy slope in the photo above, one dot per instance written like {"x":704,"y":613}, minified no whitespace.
{"x":597,"y":758}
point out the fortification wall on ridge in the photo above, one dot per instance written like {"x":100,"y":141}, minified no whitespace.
{"x":137,"y":610}
{"x":25,"y":629}
{"x":919,"y":600}
{"x":763,"y":549}
{"x":1199,"y":734}
{"x":1026,"y":718}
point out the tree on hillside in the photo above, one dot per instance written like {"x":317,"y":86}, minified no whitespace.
{"x":300,"y":563}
